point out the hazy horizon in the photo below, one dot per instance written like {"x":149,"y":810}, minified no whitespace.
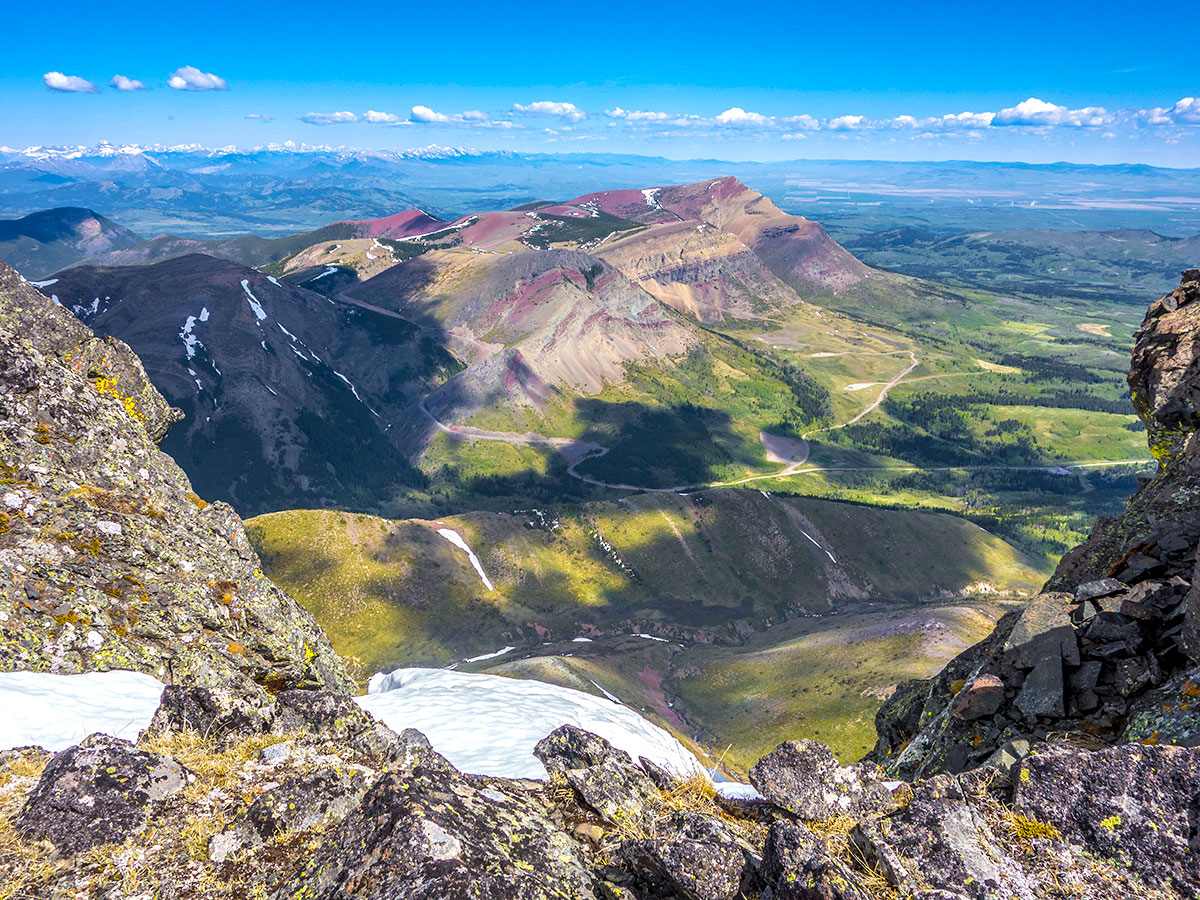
{"x":1030,"y":83}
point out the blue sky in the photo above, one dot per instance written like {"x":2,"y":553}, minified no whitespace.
{"x":1088,"y":82}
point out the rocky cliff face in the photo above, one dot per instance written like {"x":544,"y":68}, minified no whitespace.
{"x":108,"y":560}
{"x":1108,"y":653}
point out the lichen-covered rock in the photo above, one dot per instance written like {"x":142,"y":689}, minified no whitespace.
{"x":107,"y":559}
{"x":980,"y":697}
{"x":106,"y":362}
{"x":99,"y":792}
{"x":1134,"y":804}
{"x":297,"y":804}
{"x":221,"y":713}
{"x":943,"y":840}
{"x":337,"y":719}
{"x":698,"y":859}
{"x":570,"y":747}
{"x":426,"y":832}
{"x":804,"y":778}
{"x":604,"y":778}
{"x":1167,"y":715}
{"x":695,"y":870}
{"x":797,"y":865}
{"x":1043,"y":631}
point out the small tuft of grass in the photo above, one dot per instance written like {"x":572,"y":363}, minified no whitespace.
{"x":1025,"y":830}
{"x":213,"y":765}
{"x":696,"y":794}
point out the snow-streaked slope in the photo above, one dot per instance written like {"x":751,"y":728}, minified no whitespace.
{"x":59,"y":711}
{"x":488,"y":725}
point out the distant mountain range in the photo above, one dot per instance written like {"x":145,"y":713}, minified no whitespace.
{"x":278,"y":189}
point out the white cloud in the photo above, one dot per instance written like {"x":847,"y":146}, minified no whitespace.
{"x":261,"y":117}
{"x":121,"y":83}
{"x":189,"y":78}
{"x":69,"y":84}
{"x":426,"y":116}
{"x":1185,"y":112}
{"x":847,"y":123}
{"x":739,"y":118}
{"x":804,"y":123}
{"x":568,"y":112}
{"x":380,"y":118}
{"x":949,"y":122}
{"x":736,"y":117}
{"x":1040,"y":113}
{"x":967,"y":120}
{"x":332,"y":118}
{"x":638,"y":115}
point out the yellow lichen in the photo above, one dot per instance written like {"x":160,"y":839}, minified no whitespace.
{"x":108,"y":387}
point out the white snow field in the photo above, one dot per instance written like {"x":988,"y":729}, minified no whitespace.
{"x":59,"y":711}
{"x":483,"y":724}
{"x":488,"y":725}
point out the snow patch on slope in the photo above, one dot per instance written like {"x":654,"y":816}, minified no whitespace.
{"x":484,"y":724}
{"x":59,"y":711}
{"x":491,"y":655}
{"x":489,"y":725}
{"x":456,"y":539}
{"x":190,"y":342}
{"x":259,"y":312}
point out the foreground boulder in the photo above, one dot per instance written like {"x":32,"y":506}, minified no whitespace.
{"x":701,"y":860}
{"x":102,"y":791}
{"x":298,"y":804}
{"x":427,"y":832}
{"x":604,"y":778}
{"x":805,"y":778}
{"x":1139,"y":806}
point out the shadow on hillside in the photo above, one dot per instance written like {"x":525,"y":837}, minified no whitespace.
{"x":661,"y":446}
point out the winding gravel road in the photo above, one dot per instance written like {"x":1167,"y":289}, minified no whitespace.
{"x":576,"y":451}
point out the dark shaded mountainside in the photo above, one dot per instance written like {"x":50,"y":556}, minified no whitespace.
{"x":46,"y":241}
{"x":288,"y":398}
{"x":233,"y":793}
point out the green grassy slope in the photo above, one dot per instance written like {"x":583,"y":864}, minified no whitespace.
{"x":695,"y":568}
